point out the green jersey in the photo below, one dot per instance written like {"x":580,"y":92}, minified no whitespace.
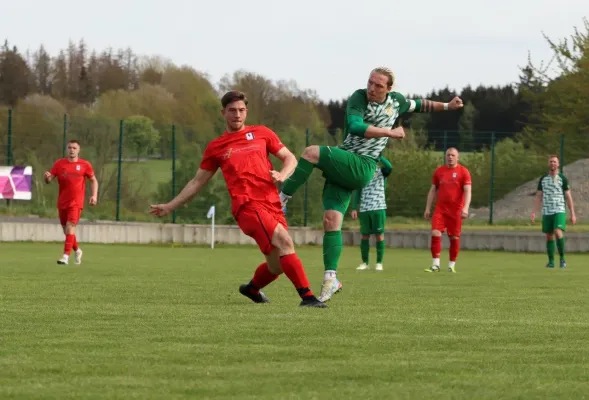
{"x":372,"y":197}
{"x":553,"y":189}
{"x":361,"y":113}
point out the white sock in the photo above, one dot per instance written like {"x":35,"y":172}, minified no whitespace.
{"x":79,"y":250}
{"x":329,"y":274}
{"x":451,"y":264}
{"x":66,"y":256}
{"x":436,"y":262}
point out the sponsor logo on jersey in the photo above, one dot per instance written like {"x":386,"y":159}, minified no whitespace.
{"x":249,"y":136}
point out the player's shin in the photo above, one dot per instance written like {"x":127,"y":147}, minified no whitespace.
{"x":560,"y":247}
{"x":379,"y":251}
{"x":68,"y":244}
{"x":298,"y":178}
{"x":550,"y":250}
{"x":294,"y":270}
{"x":436,"y":249}
{"x":332,"y":250}
{"x":75,"y":244}
{"x":262,"y":278}
{"x":454,"y":250}
{"x":365,"y":250}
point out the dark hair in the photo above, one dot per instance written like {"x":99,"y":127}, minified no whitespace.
{"x":232,"y":96}
{"x":74,"y":141}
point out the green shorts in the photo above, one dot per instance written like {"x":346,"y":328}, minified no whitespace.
{"x":372,"y":222}
{"x":344,"y":172}
{"x":554,"y":221}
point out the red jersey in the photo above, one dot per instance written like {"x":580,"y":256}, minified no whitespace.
{"x":243,"y":159}
{"x":71,"y":177}
{"x":450,"y":184}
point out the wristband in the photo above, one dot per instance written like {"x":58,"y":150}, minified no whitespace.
{"x":445,"y":106}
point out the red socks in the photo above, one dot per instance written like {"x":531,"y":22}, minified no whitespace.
{"x":262,"y":278}
{"x":454,"y":248}
{"x":69,"y":244}
{"x":436,"y":246}
{"x":75,"y":245}
{"x":293,"y":269}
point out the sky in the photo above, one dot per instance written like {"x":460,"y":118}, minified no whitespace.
{"x":324,"y":45}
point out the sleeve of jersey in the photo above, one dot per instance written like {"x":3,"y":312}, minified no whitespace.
{"x":89,"y":171}
{"x":467,"y":179}
{"x":387,"y":167}
{"x":208,"y":160}
{"x":54,"y":169}
{"x":273,"y":142}
{"x":355,"y":108}
{"x":435,"y":179}
{"x":565,"y":183}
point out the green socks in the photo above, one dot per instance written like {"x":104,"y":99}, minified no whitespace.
{"x":550,"y":248}
{"x":298,"y":178}
{"x":365,"y":250}
{"x":332,"y":249}
{"x":379,"y":251}
{"x":560,"y":247}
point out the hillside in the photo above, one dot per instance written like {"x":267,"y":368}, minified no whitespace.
{"x":518,"y":203}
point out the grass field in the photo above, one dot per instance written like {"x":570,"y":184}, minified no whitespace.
{"x":161,"y":322}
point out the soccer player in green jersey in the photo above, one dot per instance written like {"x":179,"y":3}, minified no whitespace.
{"x":553,"y":192}
{"x":371,"y":202}
{"x":370,"y":116}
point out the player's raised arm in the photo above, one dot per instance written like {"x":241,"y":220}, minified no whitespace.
{"x":426,"y":106}
{"x":356,"y":126}
{"x":191,"y":189}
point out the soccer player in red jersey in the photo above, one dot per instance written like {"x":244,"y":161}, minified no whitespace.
{"x":241,"y":153}
{"x":452,"y":186}
{"x":71,"y":173}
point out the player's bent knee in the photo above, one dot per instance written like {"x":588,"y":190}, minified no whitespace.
{"x":435,"y":232}
{"x":558,"y":233}
{"x":550,"y":236}
{"x":380,"y":238}
{"x":365,"y":237}
{"x":332,"y":220}
{"x":70,"y":228}
{"x":311,"y":154}
{"x":282,"y":241}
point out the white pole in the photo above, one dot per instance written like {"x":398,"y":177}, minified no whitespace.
{"x":213,"y":233}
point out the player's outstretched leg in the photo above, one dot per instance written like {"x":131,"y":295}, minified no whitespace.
{"x":301,"y":174}
{"x":436,"y":249}
{"x":262,"y":278}
{"x":364,"y":252}
{"x":550,"y":249}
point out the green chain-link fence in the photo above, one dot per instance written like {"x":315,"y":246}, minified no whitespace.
{"x":504,"y":168}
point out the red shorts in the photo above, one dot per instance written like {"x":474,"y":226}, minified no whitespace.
{"x":259,"y":223}
{"x":70,"y":215}
{"x":450,"y":222}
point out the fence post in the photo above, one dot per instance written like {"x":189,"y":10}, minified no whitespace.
{"x":64,"y":134}
{"x":562,"y":153}
{"x":173,"y":169}
{"x":306,"y":196}
{"x":445,"y":145}
{"x":119,"y":167}
{"x":492,"y":182}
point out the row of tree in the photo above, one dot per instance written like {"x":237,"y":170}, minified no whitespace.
{"x":97,"y":90}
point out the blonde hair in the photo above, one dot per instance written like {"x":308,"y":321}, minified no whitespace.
{"x":386,"y":72}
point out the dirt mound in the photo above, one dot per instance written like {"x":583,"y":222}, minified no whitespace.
{"x":518,"y":203}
